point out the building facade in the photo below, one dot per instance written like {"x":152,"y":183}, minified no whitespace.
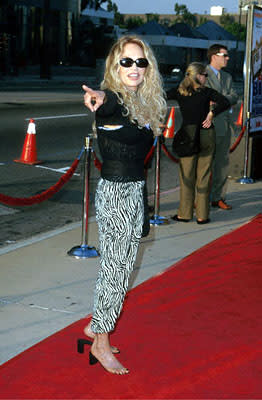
{"x":36,"y":31}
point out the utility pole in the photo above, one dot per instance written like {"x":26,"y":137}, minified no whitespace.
{"x":45,"y":67}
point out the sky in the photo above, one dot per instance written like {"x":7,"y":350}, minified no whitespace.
{"x":167,"y":6}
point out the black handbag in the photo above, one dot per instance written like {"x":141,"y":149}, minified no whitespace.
{"x":186,"y":141}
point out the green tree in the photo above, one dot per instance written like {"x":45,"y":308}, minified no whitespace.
{"x":112,"y":6}
{"x":236,"y":29}
{"x":239,"y":31}
{"x":133,"y":22}
{"x":202,"y":20}
{"x":152,"y":17}
{"x":183,"y":15}
{"x":180,"y":9}
{"x":226,"y":19}
{"x":119,"y":20}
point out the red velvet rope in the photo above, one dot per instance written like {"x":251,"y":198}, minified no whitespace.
{"x":149,"y":155}
{"x":238,"y":140}
{"x":28,"y":201}
{"x":168,"y":154}
{"x":97,"y":162}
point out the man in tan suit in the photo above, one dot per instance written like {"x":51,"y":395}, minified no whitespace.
{"x":222,"y":82}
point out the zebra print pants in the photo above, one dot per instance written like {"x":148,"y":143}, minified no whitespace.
{"x":120,"y":216}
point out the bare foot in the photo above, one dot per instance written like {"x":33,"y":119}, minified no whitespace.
{"x":88,"y":332}
{"x":104,"y":355}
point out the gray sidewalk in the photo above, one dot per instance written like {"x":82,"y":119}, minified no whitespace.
{"x":43,"y":290}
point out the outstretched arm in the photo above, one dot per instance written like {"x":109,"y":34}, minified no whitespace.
{"x":93,"y":99}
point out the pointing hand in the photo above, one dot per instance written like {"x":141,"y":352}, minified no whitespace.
{"x":93,"y":99}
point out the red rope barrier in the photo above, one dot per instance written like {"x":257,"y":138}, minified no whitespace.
{"x":38,"y":198}
{"x":238,"y":140}
{"x":97,"y":162}
{"x":149,"y":156}
{"x":168,"y":154}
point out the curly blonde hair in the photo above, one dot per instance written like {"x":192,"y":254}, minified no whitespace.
{"x":147,"y":104}
{"x":190,"y":83}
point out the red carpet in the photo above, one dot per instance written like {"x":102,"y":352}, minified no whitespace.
{"x":193,"y":332}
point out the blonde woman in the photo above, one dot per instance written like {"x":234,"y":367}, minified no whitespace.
{"x":194,"y":100}
{"x":129,"y":110}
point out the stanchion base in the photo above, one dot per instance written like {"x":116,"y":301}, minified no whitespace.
{"x":245,"y":180}
{"x":83,"y":251}
{"x":158,"y":220}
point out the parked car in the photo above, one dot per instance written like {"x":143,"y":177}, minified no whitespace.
{"x":175,"y":77}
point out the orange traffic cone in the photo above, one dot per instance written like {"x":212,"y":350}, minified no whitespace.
{"x":240,"y":116}
{"x":170,"y":125}
{"x":28,"y":155}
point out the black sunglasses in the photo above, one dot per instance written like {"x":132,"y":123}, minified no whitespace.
{"x":128,"y":62}
{"x":204,"y":74}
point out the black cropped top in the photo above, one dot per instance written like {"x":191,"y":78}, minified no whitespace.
{"x":124,"y":145}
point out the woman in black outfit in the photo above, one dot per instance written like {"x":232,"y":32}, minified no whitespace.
{"x":129,"y":111}
{"x":198,"y":105}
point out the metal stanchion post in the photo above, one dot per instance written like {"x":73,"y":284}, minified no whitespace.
{"x":156,"y":219}
{"x":248,"y":77}
{"x":84,"y":250}
{"x":245,"y":178}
